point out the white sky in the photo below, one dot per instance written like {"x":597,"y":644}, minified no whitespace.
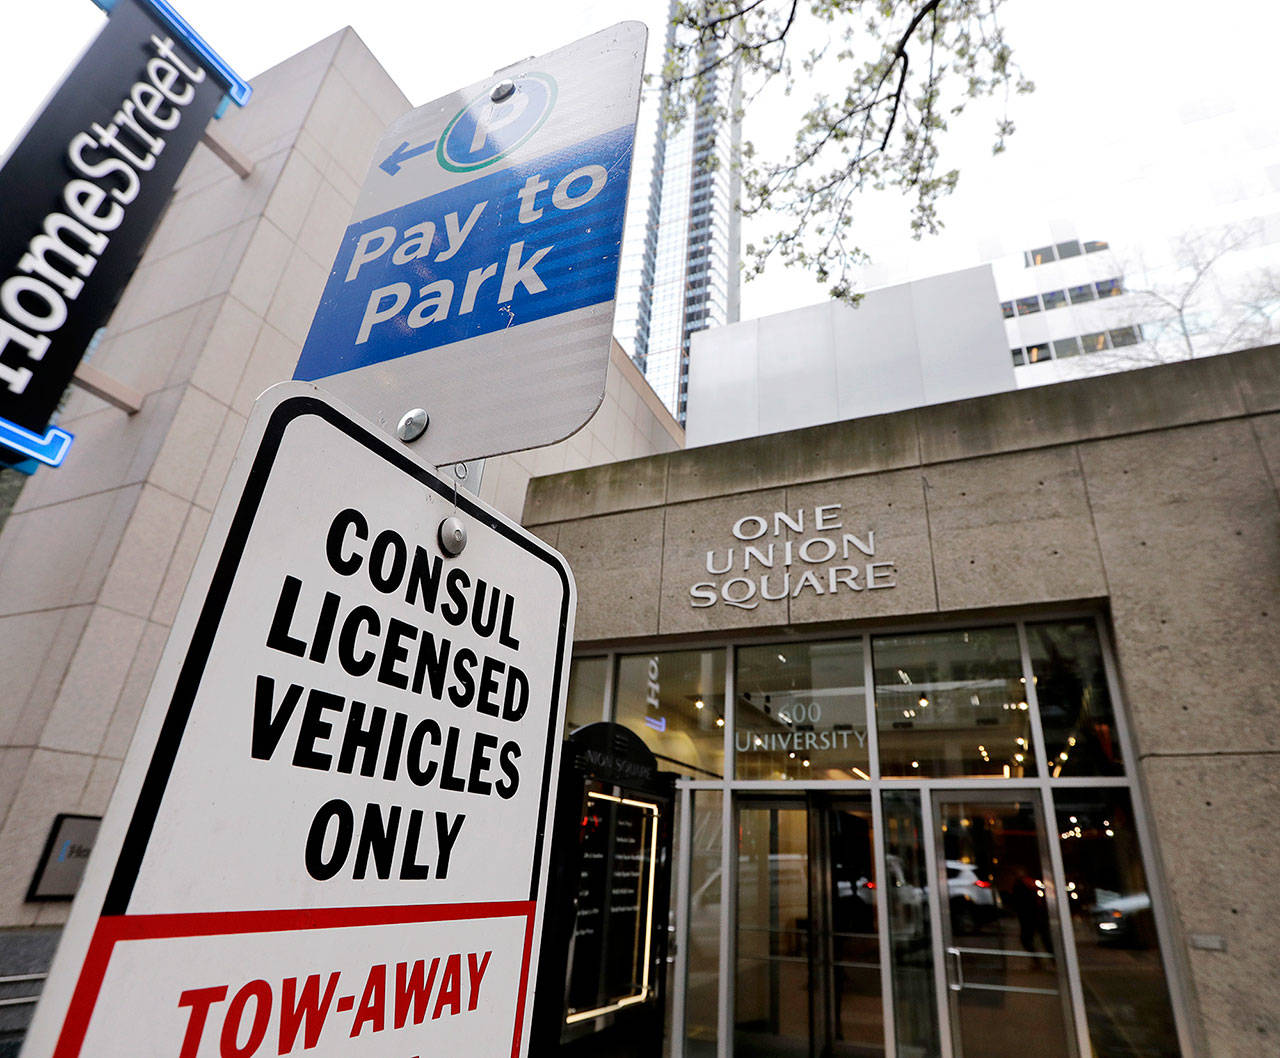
{"x":1101,"y":141}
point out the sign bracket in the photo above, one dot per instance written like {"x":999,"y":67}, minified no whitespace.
{"x":227,"y":153}
{"x":104,"y":387}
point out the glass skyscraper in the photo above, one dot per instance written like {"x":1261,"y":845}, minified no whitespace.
{"x":682,"y":245}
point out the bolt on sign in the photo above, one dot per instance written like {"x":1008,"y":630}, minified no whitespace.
{"x":478,"y":274}
{"x":83,"y":190}
{"x":330,"y":834}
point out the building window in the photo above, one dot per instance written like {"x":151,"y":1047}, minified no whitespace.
{"x":1037,"y":353}
{"x":1006,"y":308}
{"x":1018,"y":358}
{"x":1095,"y":343}
{"x":1054,"y":299}
{"x":1110,"y":288}
{"x":585,"y":705}
{"x":1095,"y":246}
{"x":1026,"y":306}
{"x":1066,"y":347}
{"x":952,"y":705}
{"x":1081,"y":293}
{"x":1038,"y":257}
{"x":1068,"y":249}
{"x":1122,"y":336}
{"x":801,"y":712}
{"x":675,"y":702}
{"x":1076,"y":716}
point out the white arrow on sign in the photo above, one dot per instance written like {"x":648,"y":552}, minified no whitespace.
{"x":332,"y":826}
{"x":478,"y":275}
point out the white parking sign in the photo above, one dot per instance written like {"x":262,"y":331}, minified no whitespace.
{"x":331,"y":831}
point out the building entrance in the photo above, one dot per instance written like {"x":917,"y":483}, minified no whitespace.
{"x":808,"y":958}
{"x":925,"y":844}
{"x":808,"y":962}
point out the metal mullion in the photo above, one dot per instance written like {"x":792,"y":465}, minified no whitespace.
{"x":1032,"y":700}
{"x":877,"y":821}
{"x":610,"y":684}
{"x":730,"y":710}
{"x":1066,"y":929}
{"x":882,"y":927}
{"x":942,"y":994}
{"x":728,"y":901}
{"x":684,"y":859}
{"x":1176,"y":971}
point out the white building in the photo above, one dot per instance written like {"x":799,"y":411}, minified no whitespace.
{"x":680,"y":256}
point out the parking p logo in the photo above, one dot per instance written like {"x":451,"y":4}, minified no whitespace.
{"x":485,"y":131}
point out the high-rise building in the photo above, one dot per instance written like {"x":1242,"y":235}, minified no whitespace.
{"x":681,"y":250}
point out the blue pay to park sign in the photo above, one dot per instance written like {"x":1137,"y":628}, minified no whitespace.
{"x":478,"y":275}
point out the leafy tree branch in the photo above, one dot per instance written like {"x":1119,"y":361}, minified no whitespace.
{"x":908,"y":67}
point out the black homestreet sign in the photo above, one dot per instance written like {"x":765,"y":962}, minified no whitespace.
{"x":82,"y":192}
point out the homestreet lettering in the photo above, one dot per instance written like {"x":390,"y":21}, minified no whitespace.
{"x":318,"y":729}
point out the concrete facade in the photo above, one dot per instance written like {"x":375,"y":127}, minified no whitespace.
{"x":94,"y":556}
{"x":1149,"y":497}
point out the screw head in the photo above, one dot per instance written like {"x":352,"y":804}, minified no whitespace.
{"x":502,"y":90}
{"x":453,"y":536}
{"x":413,"y":424}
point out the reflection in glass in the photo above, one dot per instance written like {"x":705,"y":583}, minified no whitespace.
{"x":915,"y":1013}
{"x":1075,"y":709}
{"x":771,"y":988}
{"x":801,"y":712}
{"x":1125,"y":994}
{"x":855,"y":1012}
{"x":1004,"y":967}
{"x":951,"y":704}
{"x":702,"y":990}
{"x":585,"y":703}
{"x":675,"y":703}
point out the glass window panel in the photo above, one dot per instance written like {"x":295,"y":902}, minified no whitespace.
{"x":1095,"y":343}
{"x":1026,"y":306}
{"x":1066,"y":347}
{"x":1068,"y":249}
{"x":1123,"y":336}
{"x":585,"y":703}
{"x":951,"y":704}
{"x":1125,"y":992}
{"x":1042,"y":256}
{"x":1018,"y":357}
{"x":675,"y":703}
{"x":1054,"y":299}
{"x":853,"y":948}
{"x":1006,"y":308}
{"x":1037,"y":353}
{"x":801,"y":712}
{"x":771,"y":1014}
{"x":915,"y":1013}
{"x":1081,"y":293}
{"x":702,"y":987}
{"x":1080,"y":736}
{"x":1109,"y":288}
{"x":1094,"y":246}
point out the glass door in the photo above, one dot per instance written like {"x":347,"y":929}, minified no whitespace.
{"x":1001,"y":942}
{"x":772,"y":995}
{"x":808,"y":957}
